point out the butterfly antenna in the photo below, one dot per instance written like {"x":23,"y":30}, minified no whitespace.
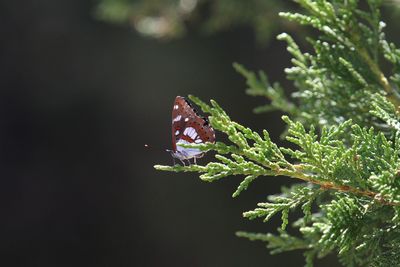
{"x":151,"y":148}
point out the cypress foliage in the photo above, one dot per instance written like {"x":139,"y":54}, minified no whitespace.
{"x":343,"y":119}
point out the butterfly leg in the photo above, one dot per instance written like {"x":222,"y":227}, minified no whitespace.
{"x":173,"y":158}
{"x":194,"y":160}
{"x":183,"y":162}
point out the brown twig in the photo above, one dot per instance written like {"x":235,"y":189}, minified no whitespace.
{"x":325,"y":185}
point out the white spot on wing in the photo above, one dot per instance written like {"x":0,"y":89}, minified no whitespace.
{"x":177,"y":118}
{"x":198,"y":141}
{"x":191,"y":132}
{"x":175,"y":106}
{"x":187,"y":119}
{"x":176,"y":132}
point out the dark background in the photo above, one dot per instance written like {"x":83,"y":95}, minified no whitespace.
{"x":79,"y":99}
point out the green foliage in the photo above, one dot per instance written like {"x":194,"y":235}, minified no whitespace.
{"x":292,"y":198}
{"x":346,"y":132}
{"x":387,"y":112}
{"x":260,"y":86}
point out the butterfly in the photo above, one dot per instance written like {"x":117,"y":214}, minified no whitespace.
{"x":188,"y":127}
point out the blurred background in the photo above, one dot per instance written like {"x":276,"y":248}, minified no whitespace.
{"x":84,"y":85}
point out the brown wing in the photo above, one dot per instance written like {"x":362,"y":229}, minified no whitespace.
{"x":178,"y":123}
{"x":185,"y":116}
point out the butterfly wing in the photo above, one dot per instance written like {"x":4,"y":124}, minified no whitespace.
{"x":178,"y":122}
{"x":189,"y":127}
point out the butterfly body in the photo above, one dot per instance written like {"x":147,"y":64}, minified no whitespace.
{"x":188,"y":127}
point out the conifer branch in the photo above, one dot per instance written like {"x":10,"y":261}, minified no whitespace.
{"x":345,"y":127}
{"x":380,"y":77}
{"x":294,"y":171}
